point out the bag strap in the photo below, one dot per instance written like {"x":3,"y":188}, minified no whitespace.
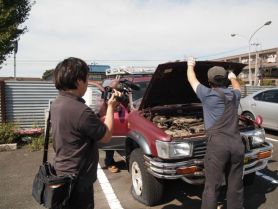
{"x":46,"y":142}
{"x":46,"y":137}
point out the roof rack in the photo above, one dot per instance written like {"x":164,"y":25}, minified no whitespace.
{"x":130,"y":70}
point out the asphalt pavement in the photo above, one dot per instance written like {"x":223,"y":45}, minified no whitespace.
{"x":18,"y":168}
{"x":17,"y":171}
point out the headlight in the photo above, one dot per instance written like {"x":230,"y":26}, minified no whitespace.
{"x":173,"y":150}
{"x":257,"y":136}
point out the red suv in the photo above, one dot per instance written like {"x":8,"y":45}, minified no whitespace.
{"x":161,"y":131}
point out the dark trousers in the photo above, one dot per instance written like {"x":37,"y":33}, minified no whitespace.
{"x":109,"y":158}
{"x":223,"y":157}
{"x":82,"y":198}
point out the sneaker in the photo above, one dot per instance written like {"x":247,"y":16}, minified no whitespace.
{"x":113,"y":169}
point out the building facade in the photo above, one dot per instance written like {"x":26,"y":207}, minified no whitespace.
{"x":264,"y":66}
{"x":97,"y":72}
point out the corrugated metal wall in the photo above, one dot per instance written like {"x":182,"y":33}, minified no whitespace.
{"x":2,"y":102}
{"x":1,"y":84}
{"x":0,"y":107}
{"x":26,"y":102}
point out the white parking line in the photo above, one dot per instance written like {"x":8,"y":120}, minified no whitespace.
{"x":107,"y":189}
{"x":268,"y":178}
{"x":270,"y":139}
{"x":272,"y":180}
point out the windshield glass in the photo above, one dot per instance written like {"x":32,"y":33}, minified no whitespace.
{"x":139,"y":94}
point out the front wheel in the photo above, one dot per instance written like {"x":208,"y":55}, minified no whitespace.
{"x":249,"y":115}
{"x":145,"y":187}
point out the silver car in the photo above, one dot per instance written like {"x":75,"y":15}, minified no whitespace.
{"x":263,"y":103}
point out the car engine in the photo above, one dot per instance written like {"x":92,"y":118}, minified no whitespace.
{"x":179,"y":126}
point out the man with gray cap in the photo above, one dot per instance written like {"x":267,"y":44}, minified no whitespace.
{"x":225,"y":150}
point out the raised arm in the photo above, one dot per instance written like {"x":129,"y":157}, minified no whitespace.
{"x":191,"y":76}
{"x":234,"y":82}
{"x":109,"y":117}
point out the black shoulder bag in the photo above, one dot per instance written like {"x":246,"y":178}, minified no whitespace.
{"x":50,"y":190}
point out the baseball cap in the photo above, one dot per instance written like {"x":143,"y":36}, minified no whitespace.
{"x":217,"y":75}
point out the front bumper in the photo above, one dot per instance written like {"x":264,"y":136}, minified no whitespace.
{"x":253,"y":162}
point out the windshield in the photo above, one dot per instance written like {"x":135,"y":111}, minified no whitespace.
{"x":139,"y":94}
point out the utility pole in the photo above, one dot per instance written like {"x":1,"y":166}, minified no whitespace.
{"x":249,"y":50}
{"x":256,"y":63}
{"x":15,"y":51}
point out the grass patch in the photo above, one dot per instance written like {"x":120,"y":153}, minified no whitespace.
{"x":36,"y":143}
{"x":7,"y":133}
{"x":32,"y":138}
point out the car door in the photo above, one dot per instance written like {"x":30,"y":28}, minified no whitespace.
{"x":266,"y":104}
{"x":120,"y":130}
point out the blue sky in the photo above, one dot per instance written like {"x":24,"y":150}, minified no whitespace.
{"x":140,"y":32}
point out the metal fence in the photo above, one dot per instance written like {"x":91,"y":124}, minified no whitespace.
{"x":2,"y":84}
{"x":24,"y":102}
{"x":247,"y":90}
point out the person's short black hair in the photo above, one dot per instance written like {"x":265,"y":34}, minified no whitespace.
{"x":68,"y":72}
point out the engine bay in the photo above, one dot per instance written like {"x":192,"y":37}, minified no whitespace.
{"x":179,"y":126}
{"x":184,"y":120}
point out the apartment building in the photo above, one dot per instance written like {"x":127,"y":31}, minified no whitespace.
{"x":264,"y":66}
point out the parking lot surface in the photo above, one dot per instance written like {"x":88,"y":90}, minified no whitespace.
{"x":112,"y":191}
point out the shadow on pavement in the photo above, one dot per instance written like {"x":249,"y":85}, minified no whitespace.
{"x":255,"y":194}
{"x":189,"y":196}
{"x":272,"y":132}
{"x":121,"y":165}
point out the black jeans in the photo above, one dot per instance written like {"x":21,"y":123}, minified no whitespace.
{"x":109,"y":158}
{"x":82,"y":197}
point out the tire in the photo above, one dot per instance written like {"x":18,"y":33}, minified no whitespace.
{"x":249,"y":179}
{"x":249,"y":115}
{"x":145,"y":187}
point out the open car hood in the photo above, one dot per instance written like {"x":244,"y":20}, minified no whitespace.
{"x":169,"y":84}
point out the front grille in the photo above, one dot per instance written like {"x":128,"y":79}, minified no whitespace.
{"x":247,"y":141}
{"x":199,"y":149}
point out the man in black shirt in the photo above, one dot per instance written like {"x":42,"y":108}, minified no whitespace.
{"x":76,"y":130}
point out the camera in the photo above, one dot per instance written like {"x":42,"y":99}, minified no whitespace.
{"x":123,"y":86}
{"x":108,"y":91}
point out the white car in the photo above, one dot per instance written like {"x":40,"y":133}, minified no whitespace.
{"x":263,"y":103}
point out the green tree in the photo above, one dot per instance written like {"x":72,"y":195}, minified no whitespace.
{"x":47,"y":73}
{"x":12,"y":14}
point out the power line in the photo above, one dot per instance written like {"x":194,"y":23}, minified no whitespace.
{"x":221,"y":53}
{"x":39,"y":61}
{"x":91,"y":60}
